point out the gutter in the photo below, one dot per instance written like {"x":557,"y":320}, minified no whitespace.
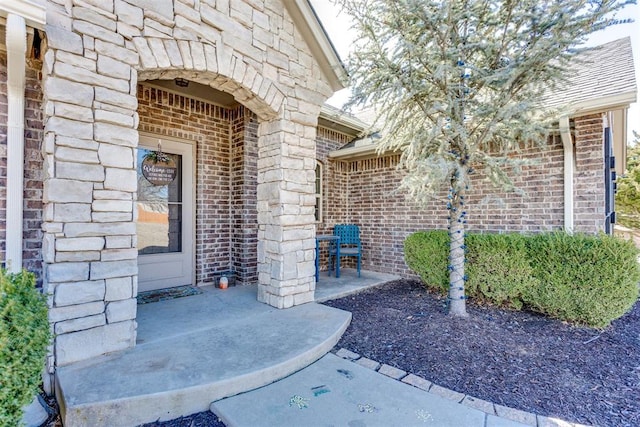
{"x":604,"y":104}
{"x":336,"y":116}
{"x":569,"y":164}
{"x":33,"y":11}
{"x":357,"y":153}
{"x":16,"y":40}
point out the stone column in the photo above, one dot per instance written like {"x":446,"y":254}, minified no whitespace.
{"x":89,"y":248}
{"x":286,"y":234}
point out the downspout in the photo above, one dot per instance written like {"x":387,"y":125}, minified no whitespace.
{"x":16,"y":40}
{"x":569,"y":161}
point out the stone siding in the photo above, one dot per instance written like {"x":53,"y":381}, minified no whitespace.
{"x":97,"y":53}
{"x":32,"y":205}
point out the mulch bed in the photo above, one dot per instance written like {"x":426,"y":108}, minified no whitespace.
{"x":517,"y":359}
{"x":202,"y":419}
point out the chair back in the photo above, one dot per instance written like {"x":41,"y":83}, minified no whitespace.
{"x":349,"y":234}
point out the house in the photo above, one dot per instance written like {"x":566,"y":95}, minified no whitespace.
{"x":232,"y":94}
{"x":569,"y":185}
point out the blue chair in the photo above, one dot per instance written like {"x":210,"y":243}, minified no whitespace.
{"x":349,"y":243}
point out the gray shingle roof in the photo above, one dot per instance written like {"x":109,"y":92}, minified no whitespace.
{"x":598,"y":75}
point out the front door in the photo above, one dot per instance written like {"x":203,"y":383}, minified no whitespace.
{"x":165,"y":213}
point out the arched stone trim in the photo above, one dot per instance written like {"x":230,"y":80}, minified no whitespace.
{"x":96,"y":53}
{"x":215,"y":66}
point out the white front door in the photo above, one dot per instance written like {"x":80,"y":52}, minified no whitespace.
{"x":165,"y":224}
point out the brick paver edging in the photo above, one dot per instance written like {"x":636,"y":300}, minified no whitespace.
{"x":517,"y":415}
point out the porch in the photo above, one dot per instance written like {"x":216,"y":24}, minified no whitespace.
{"x":193,"y":350}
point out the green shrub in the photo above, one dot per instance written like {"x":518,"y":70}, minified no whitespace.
{"x":590,"y":280}
{"x":426,"y":253}
{"x":584,"y":279}
{"x":498,"y":269}
{"x":24,"y":336}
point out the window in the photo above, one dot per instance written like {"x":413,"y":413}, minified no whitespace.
{"x":318,"y":210}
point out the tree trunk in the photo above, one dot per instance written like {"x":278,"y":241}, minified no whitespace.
{"x":457,"y":219}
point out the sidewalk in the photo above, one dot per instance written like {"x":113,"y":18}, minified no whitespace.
{"x":338,"y":392}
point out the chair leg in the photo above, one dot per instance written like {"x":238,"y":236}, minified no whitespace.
{"x":358,"y":265}
{"x":330,"y":266}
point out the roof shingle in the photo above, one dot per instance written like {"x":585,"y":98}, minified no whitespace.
{"x":598,"y":73}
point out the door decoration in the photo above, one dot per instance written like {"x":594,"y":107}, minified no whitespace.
{"x":159,"y":168}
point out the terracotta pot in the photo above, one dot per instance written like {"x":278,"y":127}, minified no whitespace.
{"x":224,"y":282}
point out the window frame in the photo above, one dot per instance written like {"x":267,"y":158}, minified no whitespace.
{"x":319,"y":191}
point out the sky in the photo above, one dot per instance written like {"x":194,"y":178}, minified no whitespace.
{"x":338,"y":26}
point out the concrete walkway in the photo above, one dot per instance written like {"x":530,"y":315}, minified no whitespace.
{"x":344,"y":389}
{"x":336,"y":392}
{"x":192,"y":351}
{"x":261,"y":367}
{"x":329,"y":287}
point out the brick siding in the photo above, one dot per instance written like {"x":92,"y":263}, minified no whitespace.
{"x":226,"y":155}
{"x":335,"y":184}
{"x":33,"y":132}
{"x":243,"y":213}
{"x":589,"y":189}
{"x":365,"y":192}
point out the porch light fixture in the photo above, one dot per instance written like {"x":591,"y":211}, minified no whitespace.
{"x":181,"y":82}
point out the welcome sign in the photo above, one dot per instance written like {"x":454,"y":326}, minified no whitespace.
{"x":159,"y":172}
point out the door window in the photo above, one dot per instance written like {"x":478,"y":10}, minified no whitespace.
{"x":159,"y":225}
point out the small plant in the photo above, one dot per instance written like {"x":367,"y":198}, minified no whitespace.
{"x":24,"y":337}
{"x":157,"y":157}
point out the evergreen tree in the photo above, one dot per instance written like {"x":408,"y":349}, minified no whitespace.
{"x":628,"y":194}
{"x":458,"y":85}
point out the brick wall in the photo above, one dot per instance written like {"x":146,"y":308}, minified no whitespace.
{"x":589,"y":190}
{"x":365,"y":192}
{"x":335,"y":186}
{"x":244,"y":167}
{"x":385,"y":215}
{"x":32,"y":232}
{"x":226,"y":152}
{"x":541,"y":205}
{"x":362,"y":192}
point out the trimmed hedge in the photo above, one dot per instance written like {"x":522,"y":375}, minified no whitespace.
{"x":498,"y":269}
{"x":426,"y":253}
{"x":583,"y":279}
{"x":24,"y":337}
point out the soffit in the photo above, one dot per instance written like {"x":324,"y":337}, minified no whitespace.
{"x":196,"y":90}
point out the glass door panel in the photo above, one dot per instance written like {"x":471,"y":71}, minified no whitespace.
{"x":159,"y":211}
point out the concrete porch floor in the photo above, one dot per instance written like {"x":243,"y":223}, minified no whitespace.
{"x":194,"y":350}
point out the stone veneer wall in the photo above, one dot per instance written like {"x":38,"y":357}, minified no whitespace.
{"x":97,"y":50}
{"x":32,"y":210}
{"x":386,"y":217}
